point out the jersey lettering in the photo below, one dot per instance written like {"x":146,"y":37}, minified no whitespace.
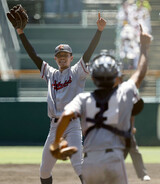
{"x":59,"y":85}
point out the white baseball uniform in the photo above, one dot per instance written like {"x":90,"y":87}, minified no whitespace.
{"x":104,"y":163}
{"x":62,"y":88}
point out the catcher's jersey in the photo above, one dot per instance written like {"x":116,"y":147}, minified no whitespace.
{"x":63,"y":86}
{"x":117,"y":115}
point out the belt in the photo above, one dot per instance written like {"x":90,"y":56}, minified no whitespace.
{"x":106,"y":151}
{"x":56,"y":120}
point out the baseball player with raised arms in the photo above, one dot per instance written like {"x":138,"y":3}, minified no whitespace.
{"x":63,"y":85}
{"x":105,"y":118}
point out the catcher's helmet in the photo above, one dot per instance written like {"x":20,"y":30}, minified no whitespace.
{"x":104,"y":69}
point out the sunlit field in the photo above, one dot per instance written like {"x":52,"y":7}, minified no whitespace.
{"x":32,"y":154}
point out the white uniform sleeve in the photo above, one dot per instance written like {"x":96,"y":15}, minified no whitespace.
{"x":81,"y":69}
{"x":74,"y":106}
{"x":132,"y":85}
{"x":46,"y":71}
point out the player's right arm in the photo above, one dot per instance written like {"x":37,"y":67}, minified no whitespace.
{"x":29,"y":49}
{"x":71,"y":111}
{"x":140,"y":73}
{"x":19,"y":18}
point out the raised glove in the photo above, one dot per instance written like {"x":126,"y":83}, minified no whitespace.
{"x":18,"y":17}
{"x":62,"y":151}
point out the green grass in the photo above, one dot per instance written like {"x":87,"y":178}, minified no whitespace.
{"x":149,"y":154}
{"x":21,"y":154}
{"x":33,"y":154}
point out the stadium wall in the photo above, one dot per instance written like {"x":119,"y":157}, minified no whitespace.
{"x":26,"y":123}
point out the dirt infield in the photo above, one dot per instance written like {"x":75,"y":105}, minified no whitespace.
{"x":64,"y":174}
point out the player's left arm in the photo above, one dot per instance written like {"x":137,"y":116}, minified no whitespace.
{"x":133,"y":129}
{"x":101,"y":23}
{"x":138,"y":76}
{"x":63,"y":123}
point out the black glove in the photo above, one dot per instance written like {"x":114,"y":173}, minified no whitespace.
{"x":18,"y":17}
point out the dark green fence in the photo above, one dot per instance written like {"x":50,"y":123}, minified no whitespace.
{"x":147,"y":125}
{"x":26,"y":123}
{"x":23,"y":123}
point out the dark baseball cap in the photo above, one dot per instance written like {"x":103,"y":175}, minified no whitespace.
{"x":63,"y":48}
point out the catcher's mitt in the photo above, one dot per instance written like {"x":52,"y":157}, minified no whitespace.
{"x":62,"y":152}
{"x":18,"y":17}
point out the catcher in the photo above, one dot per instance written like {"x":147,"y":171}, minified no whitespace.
{"x":63,"y":84}
{"x":105,"y":115}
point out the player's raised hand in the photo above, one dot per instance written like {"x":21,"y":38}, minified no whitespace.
{"x":101,"y":23}
{"x":145,"y":39}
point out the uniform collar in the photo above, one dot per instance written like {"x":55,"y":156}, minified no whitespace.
{"x":64,"y":71}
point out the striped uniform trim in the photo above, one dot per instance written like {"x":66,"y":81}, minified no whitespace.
{"x":83,"y":67}
{"x":44,"y":70}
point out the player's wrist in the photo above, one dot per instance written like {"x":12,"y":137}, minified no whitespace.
{"x":19,"y":31}
{"x":55,"y":145}
{"x":144,"y":48}
{"x":100,"y":29}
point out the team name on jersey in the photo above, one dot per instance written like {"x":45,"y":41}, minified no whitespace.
{"x":59,"y":85}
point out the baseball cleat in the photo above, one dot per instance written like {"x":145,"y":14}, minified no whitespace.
{"x":146,"y":178}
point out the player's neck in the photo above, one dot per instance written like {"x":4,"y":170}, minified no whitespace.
{"x":62,"y":69}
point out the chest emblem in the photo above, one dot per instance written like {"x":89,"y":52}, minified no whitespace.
{"x":59,"y":85}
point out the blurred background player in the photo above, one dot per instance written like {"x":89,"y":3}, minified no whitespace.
{"x":105,"y":116}
{"x":63,"y":85}
{"x":136,"y":156}
{"x":133,"y":150}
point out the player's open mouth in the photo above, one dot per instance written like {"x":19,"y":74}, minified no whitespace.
{"x":62,"y":62}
